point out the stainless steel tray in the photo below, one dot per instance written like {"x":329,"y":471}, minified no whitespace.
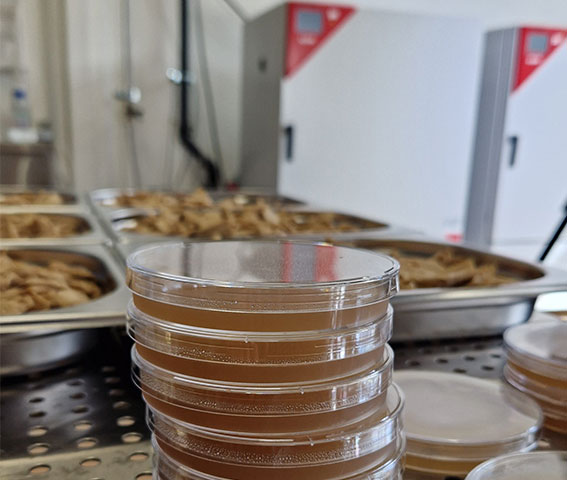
{"x":434,"y":313}
{"x":37,"y":351}
{"x":102,"y":202}
{"x":105,"y":198}
{"x":94,"y":234}
{"x":121,"y":220}
{"x":107,"y":310}
{"x":72,"y":202}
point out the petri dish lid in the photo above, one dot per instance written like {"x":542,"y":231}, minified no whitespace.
{"x":523,"y":466}
{"x":261,"y":276}
{"x":540,"y":347}
{"x":454,"y":416}
{"x":262,"y":399}
{"x":391,"y":470}
{"x":355,"y":440}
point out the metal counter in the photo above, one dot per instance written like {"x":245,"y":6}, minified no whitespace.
{"x":87,"y":421}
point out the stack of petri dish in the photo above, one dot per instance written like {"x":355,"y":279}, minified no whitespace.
{"x":454,"y":422}
{"x":523,"y":466}
{"x":537,"y":366}
{"x":266,"y":360}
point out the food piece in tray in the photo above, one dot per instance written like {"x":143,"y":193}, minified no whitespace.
{"x":198,"y":199}
{"x":42,"y":197}
{"x":445,"y":268}
{"x":228,"y":220}
{"x":26,"y":286}
{"x":144,"y":199}
{"x":40,"y":225}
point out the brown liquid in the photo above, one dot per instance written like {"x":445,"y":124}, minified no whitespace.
{"x":430,"y":465}
{"x":262,"y":322}
{"x":550,"y":409}
{"x":262,"y":424}
{"x":258,"y":373}
{"x":555,"y":424}
{"x":336,"y":470}
{"x":552,"y":382}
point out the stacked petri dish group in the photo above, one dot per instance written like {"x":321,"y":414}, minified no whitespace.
{"x":266,"y":360}
{"x":536,"y":365}
{"x":454,"y":422}
{"x":523,"y":466}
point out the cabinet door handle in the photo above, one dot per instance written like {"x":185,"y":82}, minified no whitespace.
{"x":288,"y":131}
{"x":514,"y":139}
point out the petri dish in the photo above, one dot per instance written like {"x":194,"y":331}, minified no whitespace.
{"x":258,"y":356}
{"x":551,"y":399}
{"x":526,"y":466}
{"x":539,"y":349}
{"x":167,"y":468}
{"x":269,"y":409}
{"x":261,"y":286}
{"x":552,"y":396}
{"x":537,"y":366}
{"x":454,"y":422}
{"x":343,"y":453}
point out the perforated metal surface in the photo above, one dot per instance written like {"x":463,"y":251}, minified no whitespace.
{"x":74,"y":423}
{"x":82,"y":422}
{"x":479,"y":357}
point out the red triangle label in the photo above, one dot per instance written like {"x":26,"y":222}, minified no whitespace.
{"x":535,"y":46}
{"x":308,"y":26}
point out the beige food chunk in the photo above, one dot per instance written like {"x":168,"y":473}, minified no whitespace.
{"x":68,"y":297}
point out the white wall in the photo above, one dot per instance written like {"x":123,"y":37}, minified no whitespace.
{"x":99,"y":141}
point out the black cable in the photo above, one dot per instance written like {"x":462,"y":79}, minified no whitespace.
{"x":185,"y":133}
{"x":554,"y":237}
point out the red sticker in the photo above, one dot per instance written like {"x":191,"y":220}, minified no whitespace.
{"x":535,"y":46}
{"x":308,"y":25}
{"x":326,"y":261}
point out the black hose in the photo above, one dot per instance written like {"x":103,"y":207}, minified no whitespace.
{"x":185,"y":133}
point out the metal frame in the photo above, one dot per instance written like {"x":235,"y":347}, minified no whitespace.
{"x":495,"y":91}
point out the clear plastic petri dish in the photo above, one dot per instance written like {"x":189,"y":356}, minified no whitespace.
{"x":539,"y":350}
{"x":259,"y":357}
{"x":523,"y":466}
{"x":454,"y":422}
{"x":269,"y":409}
{"x":166,"y":468}
{"x":342,"y":453}
{"x":261,"y":286}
